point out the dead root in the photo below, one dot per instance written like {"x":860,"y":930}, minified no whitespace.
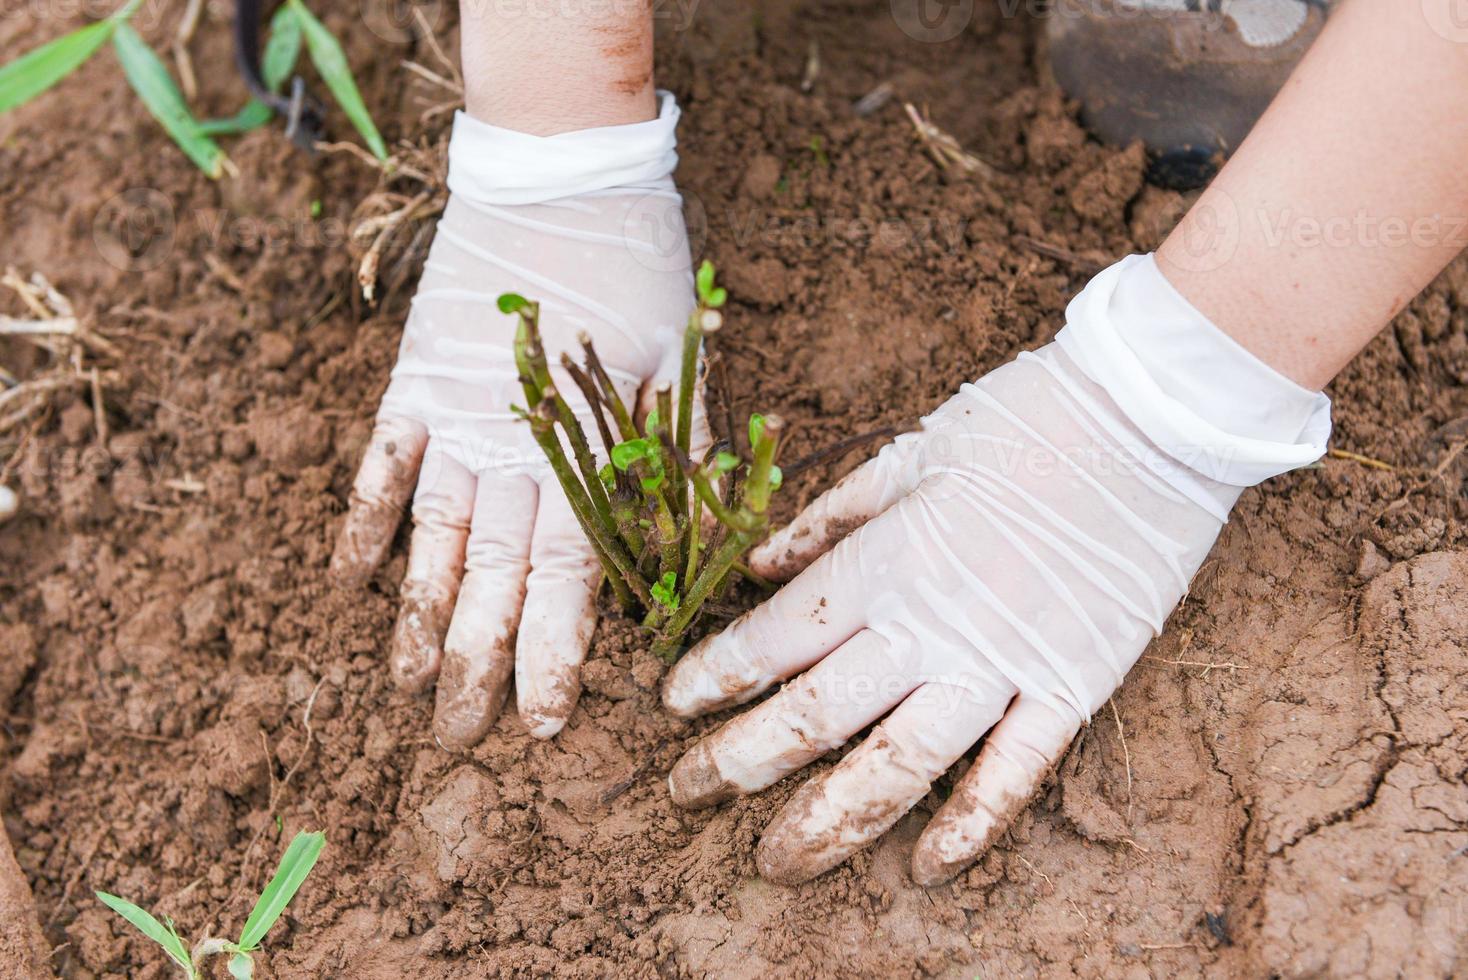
{"x":72,"y":347}
{"x":944,"y":149}
{"x":387,"y":225}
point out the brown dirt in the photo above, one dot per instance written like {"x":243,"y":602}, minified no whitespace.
{"x":1301,"y":810}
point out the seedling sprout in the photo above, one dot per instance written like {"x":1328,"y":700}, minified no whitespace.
{"x":295,"y":865}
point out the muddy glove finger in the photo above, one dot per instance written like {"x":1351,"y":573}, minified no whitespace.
{"x":813,"y":714}
{"x":1018,"y":756}
{"x":821,"y":609}
{"x":559,"y":616}
{"x":380,"y":494}
{"x":441,"y":510}
{"x":839,"y":812}
{"x":479,"y":650}
{"x":860,"y":496}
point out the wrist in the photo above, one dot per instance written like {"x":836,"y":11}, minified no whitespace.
{"x":1193,"y":391}
{"x":495,"y":165}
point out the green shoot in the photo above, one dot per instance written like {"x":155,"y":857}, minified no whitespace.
{"x":150,"y":79}
{"x":282,"y":50}
{"x":291,"y":28}
{"x":297,"y":862}
{"x":153,"y":929}
{"x":643,"y":512}
{"x":331,"y":62}
{"x":34,"y":72}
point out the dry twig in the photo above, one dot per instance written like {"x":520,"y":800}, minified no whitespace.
{"x":943,"y":148}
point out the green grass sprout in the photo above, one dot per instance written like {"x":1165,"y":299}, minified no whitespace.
{"x":331,"y":63}
{"x":291,"y":28}
{"x":150,"y":80}
{"x":297,"y":862}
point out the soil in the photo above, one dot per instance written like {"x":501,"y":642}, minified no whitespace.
{"x":184,"y":689}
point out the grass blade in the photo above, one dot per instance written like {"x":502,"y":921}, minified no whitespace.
{"x":254,"y":115}
{"x":281,"y":52}
{"x":282,"y":48}
{"x":148,"y":77}
{"x":297,"y":862}
{"x":150,"y":927}
{"x":331,"y":61}
{"x":35,"y":71}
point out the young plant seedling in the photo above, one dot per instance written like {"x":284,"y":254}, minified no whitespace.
{"x":643,"y":512}
{"x":38,"y":70}
{"x":295,"y":865}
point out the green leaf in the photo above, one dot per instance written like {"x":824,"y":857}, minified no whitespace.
{"x":152,"y":928}
{"x":254,"y":115}
{"x":708,"y":294}
{"x":651,"y":422}
{"x":756,"y":428}
{"x":665,"y":591}
{"x":35,"y":71}
{"x":608,"y":476}
{"x":651,"y":483}
{"x":724,"y":462}
{"x":282,"y":48}
{"x":148,"y":77}
{"x":512,"y":302}
{"x":776,"y":477}
{"x":331,"y":61}
{"x":241,"y":967}
{"x":624,"y":454}
{"x":297,"y":862}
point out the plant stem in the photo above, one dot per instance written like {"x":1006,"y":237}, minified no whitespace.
{"x":704,"y":490}
{"x":757,"y":490}
{"x":687,"y":380}
{"x":718,"y":564}
{"x":620,"y":415}
{"x":695,"y":526}
{"x":677,"y":482}
{"x":621,"y":570}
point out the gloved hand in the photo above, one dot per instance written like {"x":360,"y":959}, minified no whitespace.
{"x":499,"y":573}
{"x":1012,"y":560}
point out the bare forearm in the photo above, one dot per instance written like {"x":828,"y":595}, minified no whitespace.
{"x":1346,"y":200}
{"x":554,"y":68}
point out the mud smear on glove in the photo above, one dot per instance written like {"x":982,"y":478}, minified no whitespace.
{"x":1314,"y":793}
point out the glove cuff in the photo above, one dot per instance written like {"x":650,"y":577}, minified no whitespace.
{"x":1193,"y":390}
{"x":492,"y":165}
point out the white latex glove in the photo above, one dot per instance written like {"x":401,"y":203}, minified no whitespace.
{"x":499,"y":573}
{"x":1013,"y":559}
